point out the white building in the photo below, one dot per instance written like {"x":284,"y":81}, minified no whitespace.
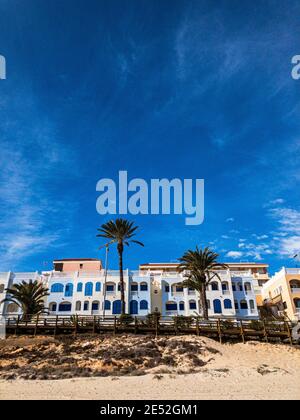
{"x":7,"y":280}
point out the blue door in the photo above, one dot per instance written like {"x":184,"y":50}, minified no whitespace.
{"x":217,"y":306}
{"x":116,"y":307}
{"x":133,"y":307}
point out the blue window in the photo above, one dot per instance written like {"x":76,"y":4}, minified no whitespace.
{"x":110,"y":287}
{"x":217,"y":306}
{"x":233,"y":287}
{"x":227,"y":304}
{"x":193,"y":304}
{"x":181,"y":306}
{"x":86,"y":306}
{"x":95,"y":306}
{"x":143,"y":305}
{"x":88,"y":290}
{"x":57,"y":288}
{"x":144,"y":287}
{"x":167,"y":288}
{"x":69,"y":289}
{"x":214,"y":286}
{"x":98,"y":286}
{"x":134,"y":287}
{"x":244,"y":304}
{"x":79,"y":287}
{"x":171,"y":306}
{"x":224,"y":286}
{"x":53,"y":307}
{"x":107,"y":305}
{"x":65,"y":307}
{"x":179,"y":289}
{"x":133,"y":307}
{"x":191,"y":289}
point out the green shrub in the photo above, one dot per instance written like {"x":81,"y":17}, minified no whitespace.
{"x":183,"y":321}
{"x":125,"y":319}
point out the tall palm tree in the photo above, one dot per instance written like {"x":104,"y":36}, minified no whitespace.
{"x":28,"y":296}
{"x":200,"y":267}
{"x":121,"y":232}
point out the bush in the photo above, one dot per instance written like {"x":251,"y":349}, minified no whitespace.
{"x":255,"y":325}
{"x":153,"y":318}
{"x":183,"y":321}
{"x":125,"y":319}
{"x":227,"y":325}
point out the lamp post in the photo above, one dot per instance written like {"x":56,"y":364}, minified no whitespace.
{"x":105,"y":276}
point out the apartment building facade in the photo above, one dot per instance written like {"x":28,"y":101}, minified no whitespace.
{"x":80,"y":286}
{"x":283,"y":292}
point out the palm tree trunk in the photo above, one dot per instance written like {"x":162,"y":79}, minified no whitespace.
{"x":204,"y":301}
{"x":120,"y":251}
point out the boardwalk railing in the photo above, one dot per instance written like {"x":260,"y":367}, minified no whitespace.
{"x":218,"y":328}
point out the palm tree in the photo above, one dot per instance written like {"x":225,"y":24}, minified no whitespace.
{"x":201,"y":267}
{"x":28,"y":296}
{"x":120,"y":232}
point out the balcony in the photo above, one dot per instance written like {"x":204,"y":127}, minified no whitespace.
{"x":295,"y":289}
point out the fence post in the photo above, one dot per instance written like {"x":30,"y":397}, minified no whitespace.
{"x":219,"y":330}
{"x":265,"y":331}
{"x":242,"y":331}
{"x":115,"y":325}
{"x":135,"y":325}
{"x":289,"y":332}
{"x":156,"y":326}
{"x":197,"y":326}
{"x":55,"y":329}
{"x":176,"y":324}
{"x":18,"y":320}
{"x":36,"y":324}
{"x":94,"y":325}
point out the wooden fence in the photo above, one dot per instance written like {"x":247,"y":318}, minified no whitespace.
{"x":221,"y":329}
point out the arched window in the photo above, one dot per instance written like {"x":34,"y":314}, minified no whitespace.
{"x":227,"y":304}
{"x":1,"y":288}
{"x":78,"y":306}
{"x":171,"y":306}
{"x":295,"y":284}
{"x":98,"y":286}
{"x":107,"y":305}
{"x":251,"y":304}
{"x":240,"y":286}
{"x":243,"y":304}
{"x":233,"y":286}
{"x":133,"y":307}
{"x":224,"y":285}
{"x":143,"y":305}
{"x":69,"y":289}
{"x":192,"y":304}
{"x":134,"y":287}
{"x":181,"y":306}
{"x":179,"y":288}
{"x":86,"y":306}
{"x":79,"y":287}
{"x":88,"y":290}
{"x":52,"y":307}
{"x":297,"y":303}
{"x":57,"y":288}
{"x":247,"y":287}
{"x":214,"y":286}
{"x":143,"y":287}
{"x":217,"y":306}
{"x":95,"y":305}
{"x":65,"y":307}
{"x":110,"y":287}
{"x":167,"y":288}
{"x":12,"y":308}
{"x":236,"y":305}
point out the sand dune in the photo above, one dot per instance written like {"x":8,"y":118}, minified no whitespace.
{"x":140,"y":367}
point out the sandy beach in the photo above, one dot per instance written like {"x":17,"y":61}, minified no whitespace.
{"x":151,"y":369}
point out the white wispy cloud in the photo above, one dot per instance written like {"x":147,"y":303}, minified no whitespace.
{"x":234,"y":254}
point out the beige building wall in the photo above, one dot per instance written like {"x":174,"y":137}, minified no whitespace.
{"x":84,"y":264}
{"x":283,"y":290}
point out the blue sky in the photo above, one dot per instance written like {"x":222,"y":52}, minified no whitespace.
{"x":187,"y":89}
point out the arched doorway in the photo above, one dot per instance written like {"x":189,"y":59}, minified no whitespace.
{"x":116,"y":307}
{"x":133,"y":307}
{"x":217,"y":306}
